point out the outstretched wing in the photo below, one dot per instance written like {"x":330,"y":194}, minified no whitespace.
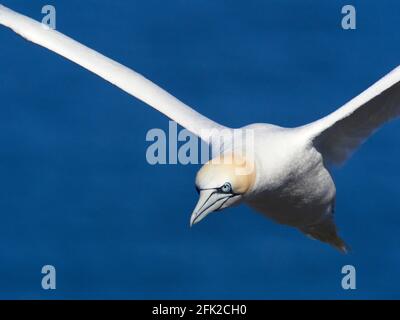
{"x":112,"y":71}
{"x":337,"y":135}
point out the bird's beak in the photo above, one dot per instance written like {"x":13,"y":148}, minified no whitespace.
{"x":210,"y":200}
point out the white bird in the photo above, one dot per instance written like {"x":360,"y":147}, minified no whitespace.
{"x":290,"y":180}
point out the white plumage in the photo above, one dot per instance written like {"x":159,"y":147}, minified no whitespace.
{"x":290,"y":182}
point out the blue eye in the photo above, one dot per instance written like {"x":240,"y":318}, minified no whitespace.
{"x":226,"y":188}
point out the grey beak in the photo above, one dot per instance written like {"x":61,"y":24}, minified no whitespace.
{"x":210,"y":200}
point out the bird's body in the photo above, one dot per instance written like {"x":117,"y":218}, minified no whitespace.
{"x":289,"y":179}
{"x":292,"y":186}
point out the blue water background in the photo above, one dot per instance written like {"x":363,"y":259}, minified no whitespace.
{"x":76,"y":191}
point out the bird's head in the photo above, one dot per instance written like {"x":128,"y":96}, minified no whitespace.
{"x":221,"y":183}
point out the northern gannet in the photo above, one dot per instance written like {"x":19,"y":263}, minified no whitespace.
{"x":290,"y":181}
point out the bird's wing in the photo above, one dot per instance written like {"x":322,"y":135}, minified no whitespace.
{"x":337,"y":135}
{"x":112,"y":71}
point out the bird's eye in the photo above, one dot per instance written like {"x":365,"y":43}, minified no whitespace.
{"x":226,"y":188}
{"x":197,"y":189}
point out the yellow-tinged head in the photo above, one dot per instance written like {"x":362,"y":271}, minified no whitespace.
{"x":221,"y":183}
